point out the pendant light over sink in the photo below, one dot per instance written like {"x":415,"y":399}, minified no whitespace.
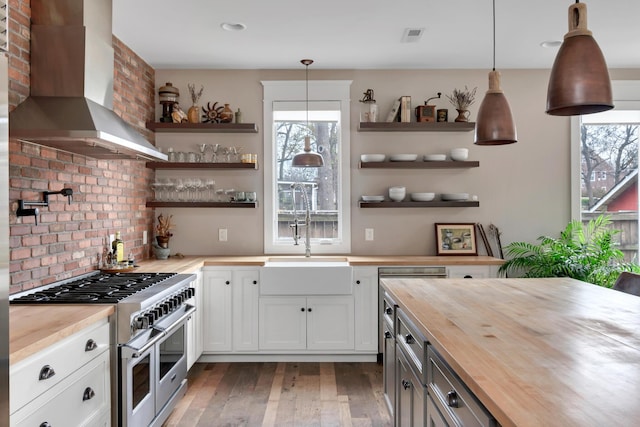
{"x":307,"y":159}
{"x":579,"y":81}
{"x":495,"y":125}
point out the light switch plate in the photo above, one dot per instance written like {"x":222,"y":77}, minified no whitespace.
{"x":222,"y":234}
{"x":368,"y":234}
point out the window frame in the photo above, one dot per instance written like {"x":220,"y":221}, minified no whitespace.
{"x":295,"y":90}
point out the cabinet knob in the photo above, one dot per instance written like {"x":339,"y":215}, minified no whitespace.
{"x":357,"y":282}
{"x":406,"y":384}
{"x":45,"y":424}
{"x":409,"y":339}
{"x":309,"y":309}
{"x":302,"y":309}
{"x":88,"y":394}
{"x":90,"y":345}
{"x":227,"y":282}
{"x":387,"y":334}
{"x":468,"y":276}
{"x":46,"y":372}
{"x":389,"y":311}
{"x":255,"y":282}
{"x":452,"y":399}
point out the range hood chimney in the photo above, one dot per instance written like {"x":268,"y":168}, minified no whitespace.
{"x":71,"y":102}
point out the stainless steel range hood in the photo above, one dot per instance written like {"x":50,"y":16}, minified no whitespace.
{"x":72,"y":69}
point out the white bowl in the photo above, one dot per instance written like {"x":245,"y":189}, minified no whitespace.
{"x":403,"y":157}
{"x":459,"y":154}
{"x":435,"y":157}
{"x":372,"y":198}
{"x":422,"y":197}
{"x":372,"y":157}
{"x":397,"y":194}
{"x":455,"y":196}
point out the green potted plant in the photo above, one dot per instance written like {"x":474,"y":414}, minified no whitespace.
{"x":584,"y":252}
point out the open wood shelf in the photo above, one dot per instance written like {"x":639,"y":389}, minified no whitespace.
{"x":432,"y":204}
{"x":451,"y":164}
{"x":203,"y":127}
{"x":202,"y":204}
{"x":200,"y":165}
{"x":416,"y":127}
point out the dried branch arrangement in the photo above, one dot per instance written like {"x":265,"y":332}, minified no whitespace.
{"x":462,"y":99}
{"x":164,"y":226}
{"x":195,"y":97}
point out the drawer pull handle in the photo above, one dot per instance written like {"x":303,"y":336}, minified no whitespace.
{"x":409,"y":339}
{"x":91,"y":345}
{"x":45,"y":424}
{"x":302,"y":309}
{"x":406,"y":384}
{"x":309,"y":309}
{"x":468,"y":276}
{"x":452,"y":399}
{"x":387,"y":334}
{"x":357,"y":282}
{"x":88,"y":394}
{"x":227,"y":282}
{"x":255,"y":282}
{"x":46,"y":372}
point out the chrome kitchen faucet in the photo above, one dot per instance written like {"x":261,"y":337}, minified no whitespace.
{"x":307,"y":219}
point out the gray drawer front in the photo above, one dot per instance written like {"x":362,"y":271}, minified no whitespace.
{"x":413,"y":343}
{"x":454,"y":400}
{"x":388,"y":310}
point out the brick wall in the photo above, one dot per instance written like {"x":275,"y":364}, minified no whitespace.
{"x":109,"y":196}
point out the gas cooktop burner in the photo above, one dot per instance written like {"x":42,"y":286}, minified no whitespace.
{"x":102,"y":288}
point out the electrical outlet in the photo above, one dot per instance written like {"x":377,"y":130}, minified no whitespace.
{"x":222,"y":234}
{"x":144,"y":237}
{"x":112,"y":237}
{"x":368,"y":234}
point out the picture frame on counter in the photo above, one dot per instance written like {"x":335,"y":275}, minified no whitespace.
{"x":456,"y":239}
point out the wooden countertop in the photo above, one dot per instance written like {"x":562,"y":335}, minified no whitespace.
{"x":191,"y":264}
{"x":536,"y":352}
{"x":35,"y":327}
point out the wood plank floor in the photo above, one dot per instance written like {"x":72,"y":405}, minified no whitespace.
{"x":283,"y":394}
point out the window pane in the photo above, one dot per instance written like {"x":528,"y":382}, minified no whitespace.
{"x":320,"y":185}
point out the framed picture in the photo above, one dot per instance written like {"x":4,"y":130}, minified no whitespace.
{"x":456,"y":239}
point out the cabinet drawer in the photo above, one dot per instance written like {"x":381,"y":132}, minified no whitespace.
{"x":82,"y":400}
{"x":413,"y":343}
{"x":388,"y":310}
{"x":452,"y":397}
{"x":64,"y":357}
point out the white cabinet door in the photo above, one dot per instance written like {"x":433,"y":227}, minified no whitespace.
{"x":330,"y":323}
{"x":194,"y":325}
{"x":365,"y":292}
{"x":217,"y":326}
{"x":246,"y":293}
{"x":472,"y":271}
{"x":283,"y":323}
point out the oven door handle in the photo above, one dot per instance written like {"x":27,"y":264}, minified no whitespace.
{"x":130,"y":352}
{"x":177,"y":323}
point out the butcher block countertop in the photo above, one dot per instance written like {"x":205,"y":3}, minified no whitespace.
{"x":191,"y":264}
{"x":536,"y":352}
{"x":35,"y":327}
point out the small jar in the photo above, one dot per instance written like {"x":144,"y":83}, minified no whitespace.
{"x":369,"y":112}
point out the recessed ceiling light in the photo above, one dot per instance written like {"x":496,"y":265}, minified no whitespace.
{"x":233,"y":26}
{"x":551,"y":43}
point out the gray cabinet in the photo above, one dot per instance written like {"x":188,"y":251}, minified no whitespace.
{"x":410,"y":394}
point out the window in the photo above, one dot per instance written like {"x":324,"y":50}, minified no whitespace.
{"x":324,"y":191}
{"x":605,"y":148}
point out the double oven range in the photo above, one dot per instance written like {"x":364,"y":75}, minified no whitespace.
{"x":150,"y":336}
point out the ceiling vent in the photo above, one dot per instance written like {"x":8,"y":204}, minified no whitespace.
{"x":412,"y":35}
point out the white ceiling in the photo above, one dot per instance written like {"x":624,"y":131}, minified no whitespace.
{"x":358,"y":34}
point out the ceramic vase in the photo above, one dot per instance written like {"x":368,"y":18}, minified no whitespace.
{"x":463,"y":115}
{"x":193,"y":114}
{"x":226,"y":116}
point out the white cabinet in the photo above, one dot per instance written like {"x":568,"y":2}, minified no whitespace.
{"x":230,"y":321}
{"x":472,"y":271}
{"x":365,"y":294}
{"x":194,"y":324}
{"x":67,"y":383}
{"x":318,"y":323}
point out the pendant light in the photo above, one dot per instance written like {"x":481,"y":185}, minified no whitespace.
{"x":307,"y":159}
{"x":495,"y":125}
{"x":579,"y":81}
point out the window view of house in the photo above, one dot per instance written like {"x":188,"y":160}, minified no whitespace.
{"x":609,"y":174}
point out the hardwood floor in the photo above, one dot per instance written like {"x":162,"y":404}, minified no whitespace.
{"x":283,"y":394}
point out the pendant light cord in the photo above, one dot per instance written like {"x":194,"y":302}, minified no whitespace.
{"x":306,"y":77}
{"x":494,"y":35}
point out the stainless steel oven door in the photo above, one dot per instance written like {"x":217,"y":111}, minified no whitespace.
{"x":171,"y":363}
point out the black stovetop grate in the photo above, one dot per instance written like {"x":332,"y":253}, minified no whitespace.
{"x":102,"y":288}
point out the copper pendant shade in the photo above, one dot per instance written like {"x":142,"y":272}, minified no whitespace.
{"x":307,"y":159}
{"x":579,"y":82}
{"x":495,"y":125}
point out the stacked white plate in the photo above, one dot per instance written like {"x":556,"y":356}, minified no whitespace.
{"x":455,"y":197}
{"x":372,"y":158}
{"x":403,"y":157}
{"x":422,"y":197}
{"x":435,"y":157}
{"x":372,"y":198}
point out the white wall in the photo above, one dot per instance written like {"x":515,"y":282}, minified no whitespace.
{"x":523,"y":188}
